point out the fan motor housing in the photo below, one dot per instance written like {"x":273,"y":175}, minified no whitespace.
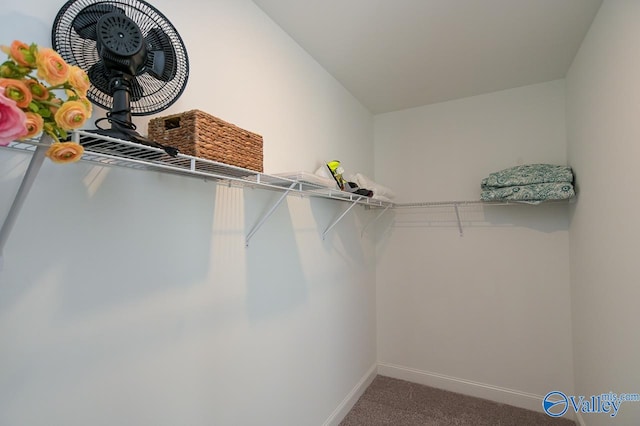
{"x":121,"y":44}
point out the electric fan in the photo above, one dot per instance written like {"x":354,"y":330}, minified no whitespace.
{"x":135,"y":59}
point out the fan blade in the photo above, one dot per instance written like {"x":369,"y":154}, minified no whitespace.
{"x":99,"y":77}
{"x":85,"y":21}
{"x":136,"y":90}
{"x":161,"y":62}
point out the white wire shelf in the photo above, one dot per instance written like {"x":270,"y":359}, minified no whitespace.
{"x":107,"y":151}
{"x":462,"y":203}
{"x":456,"y":205}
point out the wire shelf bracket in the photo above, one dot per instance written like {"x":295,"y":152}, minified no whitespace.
{"x":268,"y":214}
{"x":455,"y":206}
{"x":335,"y":222}
{"x":374,"y":220}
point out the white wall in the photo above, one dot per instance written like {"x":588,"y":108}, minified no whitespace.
{"x":603,"y":98}
{"x":488,"y":313}
{"x":129,"y":298}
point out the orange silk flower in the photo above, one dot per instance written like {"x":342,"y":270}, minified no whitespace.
{"x":51,"y":67}
{"x":79,"y":80}
{"x":34,"y":123}
{"x":71,"y":115}
{"x":16,"y":90}
{"x":65,"y":152}
{"x":38,"y":91}
{"x":19,"y":52}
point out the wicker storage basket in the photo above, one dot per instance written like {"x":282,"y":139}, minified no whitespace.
{"x":199,"y":134}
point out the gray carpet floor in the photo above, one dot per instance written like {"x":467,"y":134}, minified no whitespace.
{"x":396,"y":402}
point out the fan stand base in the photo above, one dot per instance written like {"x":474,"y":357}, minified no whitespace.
{"x":132,"y":136}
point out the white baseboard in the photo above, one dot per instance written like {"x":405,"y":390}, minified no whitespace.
{"x":350,"y":400}
{"x":499,"y":394}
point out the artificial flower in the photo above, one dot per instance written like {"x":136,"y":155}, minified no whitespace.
{"x":65,"y":152}
{"x":79,"y":79}
{"x":53,"y":101}
{"x":34,"y":124}
{"x":12,"y":121}
{"x":16,"y":90}
{"x":21,"y":53}
{"x":71,"y":115}
{"x":51,"y":67}
{"x":38,"y":91}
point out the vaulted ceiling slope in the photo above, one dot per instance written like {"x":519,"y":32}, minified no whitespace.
{"x":397,"y":54}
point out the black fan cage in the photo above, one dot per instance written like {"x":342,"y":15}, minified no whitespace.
{"x":149,"y":95}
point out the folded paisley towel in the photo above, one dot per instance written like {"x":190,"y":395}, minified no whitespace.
{"x":528,"y":174}
{"x":533,"y":194}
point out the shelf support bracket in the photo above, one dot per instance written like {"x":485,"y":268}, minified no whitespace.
{"x":335,"y":222}
{"x":455,"y":206}
{"x":27,"y":181}
{"x":268,"y":214}
{"x":371,"y":222}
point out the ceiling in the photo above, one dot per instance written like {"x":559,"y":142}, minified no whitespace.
{"x":397,"y":54}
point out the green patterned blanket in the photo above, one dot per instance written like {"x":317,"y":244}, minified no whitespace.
{"x":533,"y":194}
{"x":527,"y":175}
